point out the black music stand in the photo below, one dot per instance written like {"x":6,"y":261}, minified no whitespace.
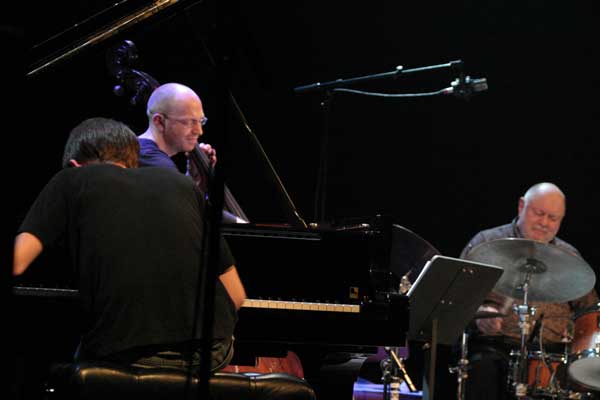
{"x":443,"y":300}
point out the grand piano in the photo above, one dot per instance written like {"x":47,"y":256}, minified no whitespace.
{"x":345,"y":279}
{"x":331,"y":286}
{"x":328,"y":288}
{"x":316,"y":291}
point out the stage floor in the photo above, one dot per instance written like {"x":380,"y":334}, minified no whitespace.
{"x":367,"y":390}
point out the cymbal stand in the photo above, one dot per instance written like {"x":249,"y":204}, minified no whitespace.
{"x":525,"y":313}
{"x":394,"y":373}
{"x":461,"y":370}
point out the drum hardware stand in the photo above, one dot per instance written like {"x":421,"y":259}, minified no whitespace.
{"x":394,"y":373}
{"x":525,"y":313}
{"x":461,"y":370}
{"x":553,"y":384}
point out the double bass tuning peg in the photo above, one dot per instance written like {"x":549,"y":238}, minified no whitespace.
{"x":138,"y":83}
{"x":119,"y":90}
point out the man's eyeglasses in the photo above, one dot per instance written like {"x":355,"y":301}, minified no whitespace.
{"x":188,"y":122}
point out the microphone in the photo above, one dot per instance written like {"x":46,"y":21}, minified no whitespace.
{"x":465,"y":87}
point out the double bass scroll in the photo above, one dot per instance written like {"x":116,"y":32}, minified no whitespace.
{"x":138,"y":85}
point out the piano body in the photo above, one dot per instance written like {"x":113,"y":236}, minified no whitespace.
{"x":321,"y":293}
{"x":314,"y":286}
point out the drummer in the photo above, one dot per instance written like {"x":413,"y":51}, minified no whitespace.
{"x":540,"y":213}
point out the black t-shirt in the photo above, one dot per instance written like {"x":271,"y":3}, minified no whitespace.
{"x":135,"y":237}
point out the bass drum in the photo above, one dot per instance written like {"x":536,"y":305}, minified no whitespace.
{"x":584,"y":357}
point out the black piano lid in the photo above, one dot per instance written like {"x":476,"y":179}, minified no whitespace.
{"x":346,"y":263}
{"x":295,"y":264}
{"x":402,"y":251}
{"x":409,"y":252}
{"x":86,"y":24}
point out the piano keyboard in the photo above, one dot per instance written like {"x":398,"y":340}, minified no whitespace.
{"x":301,"y":305}
{"x":282,"y":323}
{"x":248,"y":303}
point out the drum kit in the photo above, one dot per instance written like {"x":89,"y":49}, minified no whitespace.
{"x":542,"y":273}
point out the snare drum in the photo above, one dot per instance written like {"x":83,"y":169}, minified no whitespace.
{"x":584,"y":356}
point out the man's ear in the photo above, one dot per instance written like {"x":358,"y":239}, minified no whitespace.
{"x":74,"y":163}
{"x":158,"y":120}
{"x":521,"y":205}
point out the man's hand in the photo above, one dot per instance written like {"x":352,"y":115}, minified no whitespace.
{"x":210,"y":152}
{"x":489,"y":326}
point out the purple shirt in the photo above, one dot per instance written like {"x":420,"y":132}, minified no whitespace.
{"x":152,"y":156}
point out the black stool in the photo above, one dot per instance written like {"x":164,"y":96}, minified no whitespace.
{"x":91,"y":380}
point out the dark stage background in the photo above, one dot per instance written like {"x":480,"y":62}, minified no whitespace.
{"x":443,"y":167}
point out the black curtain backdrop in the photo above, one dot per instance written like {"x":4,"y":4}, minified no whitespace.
{"x":443,"y":167}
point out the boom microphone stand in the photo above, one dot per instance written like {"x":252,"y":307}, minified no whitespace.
{"x":462,"y":87}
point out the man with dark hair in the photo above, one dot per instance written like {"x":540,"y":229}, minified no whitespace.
{"x":101,"y":140}
{"x":137,"y":253}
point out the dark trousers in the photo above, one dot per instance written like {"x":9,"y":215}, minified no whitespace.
{"x":184,"y":357}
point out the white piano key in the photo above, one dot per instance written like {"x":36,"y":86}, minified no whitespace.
{"x":300,"y":305}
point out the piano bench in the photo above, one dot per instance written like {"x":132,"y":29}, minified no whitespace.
{"x":91,"y":380}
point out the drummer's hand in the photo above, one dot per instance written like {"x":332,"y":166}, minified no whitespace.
{"x":567,"y":335}
{"x":489,"y":326}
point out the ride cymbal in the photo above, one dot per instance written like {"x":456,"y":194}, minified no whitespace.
{"x":554,"y":275}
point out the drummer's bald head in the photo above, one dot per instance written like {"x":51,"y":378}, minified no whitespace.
{"x":543,"y":189}
{"x":541,"y":211}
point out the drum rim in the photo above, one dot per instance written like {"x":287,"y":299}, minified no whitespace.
{"x":587,"y":310}
{"x":584,"y":354}
{"x":549,"y":356}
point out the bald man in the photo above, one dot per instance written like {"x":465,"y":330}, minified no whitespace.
{"x":175,"y":123}
{"x":540,"y":213}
